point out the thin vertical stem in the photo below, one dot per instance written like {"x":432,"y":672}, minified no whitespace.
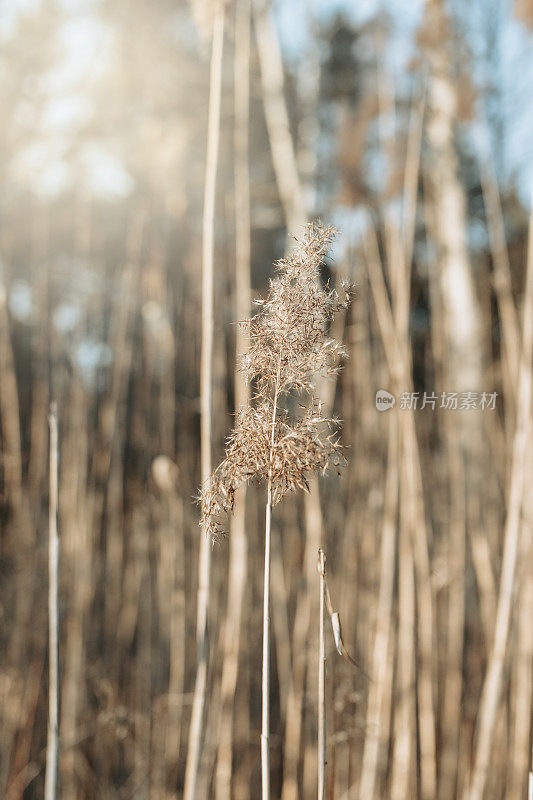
{"x":204,"y":569}
{"x":9,"y":405}
{"x":322,"y":681}
{"x":492,"y":684}
{"x":530,"y":779}
{"x":238,"y":541}
{"x":265,"y":673}
{"x":379,"y":689}
{"x":52,"y":744}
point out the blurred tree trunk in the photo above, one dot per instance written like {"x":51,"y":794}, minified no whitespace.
{"x":462,"y":315}
{"x":465,"y":357}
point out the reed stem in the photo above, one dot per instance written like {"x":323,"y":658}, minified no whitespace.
{"x":265,"y":673}
{"x":322,"y":681}
{"x":52,"y":743}
{"x":208,"y":246}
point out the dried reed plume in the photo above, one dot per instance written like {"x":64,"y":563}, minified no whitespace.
{"x":289,"y":347}
{"x":276,"y":437}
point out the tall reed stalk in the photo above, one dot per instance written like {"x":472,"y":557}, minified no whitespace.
{"x":52,"y":743}
{"x":238,"y":548}
{"x":265,"y":671}
{"x":322,"y":679}
{"x":492,"y":685}
{"x":275,"y":439}
{"x":204,"y":569}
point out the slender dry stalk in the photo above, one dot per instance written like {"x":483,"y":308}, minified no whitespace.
{"x":300,"y":634}
{"x":530,"y":777}
{"x":523,"y":675}
{"x":421,"y":535}
{"x":280,"y":590}
{"x":204,"y":567}
{"x":9,"y":407}
{"x":284,"y":160}
{"x":387,"y":140}
{"x":37,"y":461}
{"x":265,"y":670}
{"x":502,"y":276}
{"x":238,"y":547}
{"x":107,"y":454}
{"x":314,"y":536}
{"x":381,"y":666}
{"x":425,"y":612}
{"x":486,"y":581}
{"x":315,"y":533}
{"x":291,"y":194}
{"x":465,"y":354}
{"x":167,"y":728}
{"x":399,"y":246}
{"x":52,"y":742}
{"x":22,"y":769}
{"x":404,"y":722}
{"x":396,"y":345}
{"x":272,"y":440}
{"x":277,"y":119}
{"x":456,"y":547}
{"x":522,"y":685}
{"x":11,"y":458}
{"x":143,"y":669}
{"x":93,"y":500}
{"x":78,"y":559}
{"x":513,"y":526}
{"x":177,"y":634}
{"x":25,"y":657}
{"x":322,"y":680}
{"x":106,"y":465}
{"x":455,"y":544}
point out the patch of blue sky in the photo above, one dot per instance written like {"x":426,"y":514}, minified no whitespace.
{"x":20,"y":301}
{"x":66,"y":317}
{"x":296,"y":20}
{"x":90,"y":356}
{"x":84,"y":49}
{"x":104,"y":172}
{"x":83,"y":54}
{"x":500,"y":46}
{"x":77,"y":5}
{"x":9,"y":13}
{"x":476,"y":233}
{"x":501,"y":60}
{"x":41,"y":164}
{"x":517,"y":106}
{"x":353,"y":222}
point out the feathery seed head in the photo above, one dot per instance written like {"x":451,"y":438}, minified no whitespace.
{"x":288,"y":348}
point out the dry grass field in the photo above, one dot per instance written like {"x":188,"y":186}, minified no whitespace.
{"x":160,"y":638}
